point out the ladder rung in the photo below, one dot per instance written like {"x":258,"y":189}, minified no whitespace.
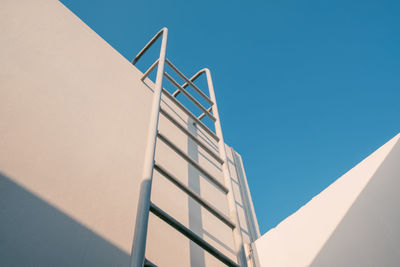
{"x":169,"y":78}
{"x":191,"y":235}
{"x":190,"y":114}
{"x":152,"y":67}
{"x":148,"y":263}
{"x":188,"y":82}
{"x":193,"y":163}
{"x":204,"y":114}
{"x":195,"y":196}
{"x":194,"y":138}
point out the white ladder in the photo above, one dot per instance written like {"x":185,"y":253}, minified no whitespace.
{"x":154,"y":135}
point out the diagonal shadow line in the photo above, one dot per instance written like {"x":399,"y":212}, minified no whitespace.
{"x":395,"y":146}
{"x":197,"y":254}
{"x":218,"y":241}
{"x":35,"y":233}
{"x":210,"y":161}
{"x":365,"y":191}
{"x":239,"y":205}
{"x":244,"y":231}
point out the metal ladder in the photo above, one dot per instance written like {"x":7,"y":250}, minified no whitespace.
{"x":145,"y":204}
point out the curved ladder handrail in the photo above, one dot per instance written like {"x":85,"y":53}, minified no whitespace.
{"x":149,"y":44}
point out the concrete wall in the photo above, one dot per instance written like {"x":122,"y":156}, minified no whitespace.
{"x":73,"y":125}
{"x":354,"y":222}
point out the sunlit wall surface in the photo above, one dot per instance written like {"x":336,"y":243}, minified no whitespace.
{"x":74,"y":117}
{"x":353,"y":222}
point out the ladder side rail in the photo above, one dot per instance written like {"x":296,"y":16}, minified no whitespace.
{"x":237,"y":235}
{"x":142,"y":216}
{"x":247,"y":201}
{"x":145,"y":206}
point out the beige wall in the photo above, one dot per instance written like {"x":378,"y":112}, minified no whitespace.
{"x":73,"y":118}
{"x":73,"y":122}
{"x":353,"y":222}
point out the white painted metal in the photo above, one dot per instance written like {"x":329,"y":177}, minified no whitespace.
{"x":193,"y":163}
{"x":91,"y":138}
{"x":251,"y":220}
{"x":197,"y":103}
{"x":190,"y":114}
{"x":204,"y":114}
{"x":138,"y":252}
{"x":194,"y":195}
{"x":231,"y":201}
{"x":187,"y":82}
{"x":198,"y":142}
{"x":239,"y":246}
{"x":152,"y":67}
{"x":247,"y":202}
{"x":142,"y":217}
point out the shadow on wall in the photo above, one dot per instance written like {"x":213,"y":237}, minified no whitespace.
{"x":197,"y":257}
{"x":34,"y":233}
{"x":369,"y":233}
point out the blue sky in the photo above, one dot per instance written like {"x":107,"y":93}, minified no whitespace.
{"x":305,"y":89}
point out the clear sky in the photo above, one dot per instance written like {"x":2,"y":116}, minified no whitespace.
{"x":305,"y":89}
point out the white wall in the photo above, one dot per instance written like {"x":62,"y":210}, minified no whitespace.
{"x":73,"y":118}
{"x":73,"y":125}
{"x":369,"y":234}
{"x":354,"y":222}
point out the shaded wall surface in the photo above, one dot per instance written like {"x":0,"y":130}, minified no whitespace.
{"x":35,"y":233}
{"x":73,"y":118}
{"x":353,"y":222}
{"x":73,"y":125}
